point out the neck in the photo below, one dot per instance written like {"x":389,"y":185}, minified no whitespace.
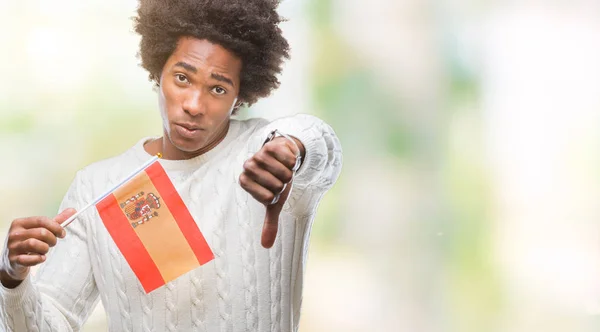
{"x":170,"y":152}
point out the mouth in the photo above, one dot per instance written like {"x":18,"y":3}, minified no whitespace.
{"x":187,"y":130}
{"x":189,"y":126}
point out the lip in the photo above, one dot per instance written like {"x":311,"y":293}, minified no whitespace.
{"x":189,"y":126}
{"x":188,"y":130}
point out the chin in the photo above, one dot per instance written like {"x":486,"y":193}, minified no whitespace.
{"x":187,"y":145}
{"x":190,"y":147}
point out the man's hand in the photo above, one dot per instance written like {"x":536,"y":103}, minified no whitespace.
{"x":28,"y":242}
{"x":266,"y":175}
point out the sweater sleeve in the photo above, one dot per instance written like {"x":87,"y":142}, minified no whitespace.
{"x":62,"y":294}
{"x":322,"y":163}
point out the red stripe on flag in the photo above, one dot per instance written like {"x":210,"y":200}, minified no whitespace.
{"x":129,"y":243}
{"x":182,"y":216}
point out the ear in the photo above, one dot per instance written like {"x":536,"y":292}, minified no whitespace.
{"x":156,"y":78}
{"x":236,"y":106}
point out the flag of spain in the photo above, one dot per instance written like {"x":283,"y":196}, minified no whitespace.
{"x":153,"y":228}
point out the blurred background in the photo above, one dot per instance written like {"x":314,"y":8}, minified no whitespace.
{"x":469,"y":195}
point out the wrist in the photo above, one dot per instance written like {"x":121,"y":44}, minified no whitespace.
{"x":299,"y":146}
{"x":7,"y":281}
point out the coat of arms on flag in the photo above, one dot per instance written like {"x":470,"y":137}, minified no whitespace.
{"x":140,"y":209}
{"x":153,"y":228}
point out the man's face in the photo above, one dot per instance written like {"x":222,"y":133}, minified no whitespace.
{"x":199,"y":86}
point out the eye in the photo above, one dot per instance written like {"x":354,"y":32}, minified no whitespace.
{"x":181,"y":78}
{"x":219,"y":90}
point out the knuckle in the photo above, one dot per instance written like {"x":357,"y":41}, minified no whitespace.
{"x":32,"y":223}
{"x":248,"y":164}
{"x":14,"y":230}
{"x":243,"y":180}
{"x":30,"y":242}
{"x":12,"y":246}
{"x":14,"y":235}
{"x":290,"y":161}
{"x":44,"y":249}
{"x":260,"y":159}
{"x":250,"y":167}
{"x":282,"y":149}
{"x":15,"y":223}
{"x":268,"y":197}
{"x":287,"y":176}
{"x":44,"y":222}
{"x":279,"y":187}
{"x":43,"y":232}
{"x":18,"y":260}
{"x":270,"y":146}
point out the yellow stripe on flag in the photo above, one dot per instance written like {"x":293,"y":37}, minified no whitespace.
{"x":161,"y":235}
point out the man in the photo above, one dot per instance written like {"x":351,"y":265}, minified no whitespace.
{"x":207,"y":58}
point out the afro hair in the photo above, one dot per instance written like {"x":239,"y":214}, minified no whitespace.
{"x":247,"y":28}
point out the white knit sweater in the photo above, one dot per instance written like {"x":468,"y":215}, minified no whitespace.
{"x":245,"y":288}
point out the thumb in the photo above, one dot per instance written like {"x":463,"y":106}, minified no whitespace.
{"x":60,"y":218}
{"x":269,"y":232}
{"x":64,"y":215}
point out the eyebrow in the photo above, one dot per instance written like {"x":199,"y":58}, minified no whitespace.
{"x":194,"y":70}
{"x":222,"y":78}
{"x":186,"y":66}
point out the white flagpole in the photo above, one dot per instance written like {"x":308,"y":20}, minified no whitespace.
{"x":108,"y":192}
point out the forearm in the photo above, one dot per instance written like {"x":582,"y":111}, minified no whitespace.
{"x":7,"y":281}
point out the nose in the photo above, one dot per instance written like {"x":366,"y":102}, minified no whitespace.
{"x":194,"y":103}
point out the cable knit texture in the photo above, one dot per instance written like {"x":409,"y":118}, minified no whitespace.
{"x":245,"y":288}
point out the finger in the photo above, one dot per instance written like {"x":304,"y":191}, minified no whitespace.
{"x":31,"y":222}
{"x":62,"y":217}
{"x":41,"y":234}
{"x":43,"y":222}
{"x":271,"y":165}
{"x":30,"y":260}
{"x":31,"y":246}
{"x":293,"y":147}
{"x":271,"y":225}
{"x":265,"y":179}
{"x":257,"y":191}
{"x":284,"y":153}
